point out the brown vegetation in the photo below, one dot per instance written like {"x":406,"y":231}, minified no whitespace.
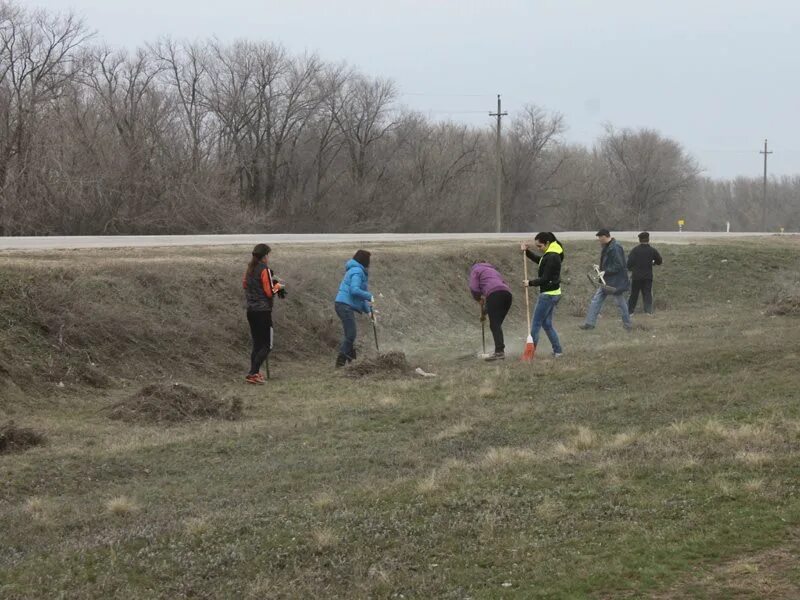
{"x":174,"y":403}
{"x":389,"y":364}
{"x":204,"y":136}
{"x":18,"y":439}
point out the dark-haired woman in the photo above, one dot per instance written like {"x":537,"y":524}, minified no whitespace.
{"x":353,"y":297}
{"x":548,"y":279}
{"x":260,"y":288}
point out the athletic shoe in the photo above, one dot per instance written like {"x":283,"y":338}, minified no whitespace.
{"x":496,"y":356}
{"x":558,"y":354}
{"x":261,"y":378}
{"x":585,"y":326}
{"x":255,"y":379}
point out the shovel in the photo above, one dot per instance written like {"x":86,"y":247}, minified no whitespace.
{"x":483,"y":330}
{"x":375,"y":331}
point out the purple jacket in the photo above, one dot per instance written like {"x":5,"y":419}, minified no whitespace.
{"x":484,"y":279}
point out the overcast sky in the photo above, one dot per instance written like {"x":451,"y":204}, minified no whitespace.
{"x":719,"y":76}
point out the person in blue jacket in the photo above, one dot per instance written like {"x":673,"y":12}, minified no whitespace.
{"x":613,"y":265}
{"x":353,"y":297}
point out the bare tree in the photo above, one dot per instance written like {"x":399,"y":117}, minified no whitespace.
{"x":363,"y":117}
{"x":184,"y":70}
{"x":38,"y":58}
{"x":647,"y":172}
{"x":533,"y":156}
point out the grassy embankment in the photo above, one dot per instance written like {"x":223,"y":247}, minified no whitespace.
{"x":658,"y":463}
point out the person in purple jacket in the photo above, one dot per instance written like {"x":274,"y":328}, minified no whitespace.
{"x":490,"y":289}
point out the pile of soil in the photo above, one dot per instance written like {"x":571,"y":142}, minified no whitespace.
{"x":389,"y":364}
{"x":784,"y":304}
{"x":18,"y":439}
{"x":174,"y":403}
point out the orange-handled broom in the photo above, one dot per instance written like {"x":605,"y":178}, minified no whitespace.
{"x":530,"y":347}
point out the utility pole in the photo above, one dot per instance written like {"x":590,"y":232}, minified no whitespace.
{"x":499,"y":207}
{"x":764,"y":203}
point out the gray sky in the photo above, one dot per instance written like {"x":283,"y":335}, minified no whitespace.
{"x":719,"y":76}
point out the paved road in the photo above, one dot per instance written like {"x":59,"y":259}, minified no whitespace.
{"x":130,"y":241}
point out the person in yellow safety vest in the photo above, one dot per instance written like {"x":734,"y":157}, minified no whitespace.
{"x":548,"y":280}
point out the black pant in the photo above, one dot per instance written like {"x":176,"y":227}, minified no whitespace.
{"x":646,"y":287}
{"x":261,"y":332}
{"x":497,"y":307}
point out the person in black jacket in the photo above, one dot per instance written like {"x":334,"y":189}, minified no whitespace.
{"x":640,"y":263}
{"x":548,"y":280}
{"x":260,"y":288}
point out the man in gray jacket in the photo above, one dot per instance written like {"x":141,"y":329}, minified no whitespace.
{"x":615,"y":273}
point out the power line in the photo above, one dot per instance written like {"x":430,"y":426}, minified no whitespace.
{"x":443,"y":95}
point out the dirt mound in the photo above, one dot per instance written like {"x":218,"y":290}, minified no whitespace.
{"x":174,"y":403}
{"x":784,"y":303}
{"x":389,"y":364}
{"x":18,"y":439}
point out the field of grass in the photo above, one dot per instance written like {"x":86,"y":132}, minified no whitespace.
{"x":657,"y":463}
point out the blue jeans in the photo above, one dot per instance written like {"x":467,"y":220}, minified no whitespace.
{"x":597,"y":304}
{"x":348,"y":318}
{"x":543,"y":319}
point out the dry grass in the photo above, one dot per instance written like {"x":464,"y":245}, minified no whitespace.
{"x":488,"y":389}
{"x":754,"y":485}
{"x":323,"y":501}
{"x":505,"y":457}
{"x":196,"y":526}
{"x":453,"y":431}
{"x":39,"y":509}
{"x":549,"y":510}
{"x":121,"y":506}
{"x":388,"y":401}
{"x":584,"y":439}
{"x":428,"y":484}
{"x":753,"y":458}
{"x":324,"y":538}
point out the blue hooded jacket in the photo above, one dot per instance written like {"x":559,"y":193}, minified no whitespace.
{"x":354,"y":287}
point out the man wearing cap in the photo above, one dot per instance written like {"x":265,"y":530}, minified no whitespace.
{"x":640,"y":264}
{"x":612,"y":266}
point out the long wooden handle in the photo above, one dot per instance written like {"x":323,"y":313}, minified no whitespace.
{"x":527,"y":299}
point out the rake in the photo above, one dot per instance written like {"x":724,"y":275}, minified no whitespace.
{"x":530,"y":347}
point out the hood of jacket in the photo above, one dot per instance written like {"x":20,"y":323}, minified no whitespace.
{"x":354,"y":264}
{"x":554,"y":247}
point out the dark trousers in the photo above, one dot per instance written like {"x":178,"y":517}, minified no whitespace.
{"x":497,"y":307}
{"x":261,"y":332}
{"x":646,"y":287}
{"x":347,"y":316}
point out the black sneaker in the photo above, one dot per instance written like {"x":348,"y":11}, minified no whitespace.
{"x":585,"y":326}
{"x":496,"y":356}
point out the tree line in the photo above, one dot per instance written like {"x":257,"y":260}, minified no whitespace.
{"x":206,"y":136}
